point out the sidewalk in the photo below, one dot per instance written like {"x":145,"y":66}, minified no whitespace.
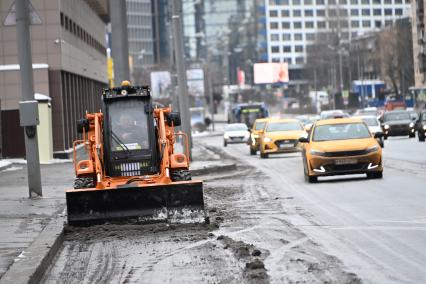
{"x":32,"y":229}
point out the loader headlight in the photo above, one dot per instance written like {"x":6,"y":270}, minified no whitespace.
{"x":317,"y":153}
{"x":372,"y":149}
{"x":267,"y":140}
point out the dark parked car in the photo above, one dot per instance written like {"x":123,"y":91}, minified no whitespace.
{"x":398,"y":123}
{"x":421,"y":126}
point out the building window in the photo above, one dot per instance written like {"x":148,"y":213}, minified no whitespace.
{"x":288,"y":60}
{"x":320,"y":2}
{"x":378,"y":24}
{"x":388,"y":12}
{"x":298,"y":37}
{"x":388,"y":23}
{"x":354,"y":2}
{"x":377,"y":12}
{"x":297,"y":25}
{"x":285,"y":25}
{"x":332,"y":13}
{"x":354,"y":12}
{"x":285,"y":13}
{"x":366,"y":24}
{"x":388,"y":1}
{"x":298,"y":48}
{"x":278,"y":2}
{"x":398,"y":1}
{"x":300,"y":60}
{"x":310,"y":36}
{"x":273,"y":13}
{"x":321,"y":13}
{"x":331,"y":2}
{"x":287,"y":48}
{"x":275,"y":49}
{"x":276,"y":60}
{"x":275,"y":37}
{"x":274,"y":26}
{"x":297,"y":13}
{"x":296,"y":2}
{"x":377,"y":2}
{"x":354,"y":24}
{"x":307,"y":2}
{"x":365,"y":2}
{"x":343,"y":12}
{"x":286,"y":37}
{"x":321,"y":25}
{"x":366,"y":12}
{"x":309,"y":25}
{"x":398,"y":12}
{"x":309,"y":13}
{"x":343,"y":2}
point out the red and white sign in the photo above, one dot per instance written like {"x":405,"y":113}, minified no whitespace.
{"x":269,"y":73}
{"x":241,"y":77}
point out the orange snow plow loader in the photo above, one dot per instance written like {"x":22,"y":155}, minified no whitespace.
{"x":130,"y":167}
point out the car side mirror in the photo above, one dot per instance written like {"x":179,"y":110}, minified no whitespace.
{"x":303,"y":140}
{"x":173,"y":118}
{"x":378,"y":135}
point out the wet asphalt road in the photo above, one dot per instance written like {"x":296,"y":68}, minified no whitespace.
{"x":376,"y":227}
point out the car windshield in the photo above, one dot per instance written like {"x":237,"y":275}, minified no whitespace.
{"x":259,"y":125}
{"x":371,"y":121}
{"x":129,"y":125}
{"x":236,"y":127}
{"x":283,"y":126}
{"x":343,"y":131}
{"x":397,"y":116}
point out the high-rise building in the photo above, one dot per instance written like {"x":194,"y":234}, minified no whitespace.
{"x":141,"y":36}
{"x":419,"y":41}
{"x":162,"y":31}
{"x":69,"y":63}
{"x":291,"y":25}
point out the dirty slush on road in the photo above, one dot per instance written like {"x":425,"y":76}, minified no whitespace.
{"x":248,"y":240}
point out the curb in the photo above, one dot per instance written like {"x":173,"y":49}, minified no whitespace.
{"x":32,"y":263}
{"x":6,"y":166}
{"x":214,"y":169}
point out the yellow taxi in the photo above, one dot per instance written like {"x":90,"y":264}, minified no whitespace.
{"x":280,"y":136}
{"x":341,"y":146}
{"x":258,"y":126}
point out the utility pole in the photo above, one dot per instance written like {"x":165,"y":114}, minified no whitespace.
{"x":208,"y":77}
{"x":28,"y":107}
{"x":181,"y":69}
{"x":119,"y":41}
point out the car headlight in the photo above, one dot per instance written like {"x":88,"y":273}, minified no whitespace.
{"x":267,"y":140}
{"x":386,"y":126}
{"x":372,"y":149}
{"x":411,"y":124}
{"x":424,"y":127}
{"x":226,"y":136}
{"x":317,"y":153}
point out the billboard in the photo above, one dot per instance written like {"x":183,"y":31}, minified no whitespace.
{"x":195,"y":82}
{"x":161,"y":84}
{"x":270,"y":73}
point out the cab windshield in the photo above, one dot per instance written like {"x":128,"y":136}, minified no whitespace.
{"x":129,"y":125}
{"x":371,"y":121}
{"x":259,"y":125}
{"x":344,"y":131}
{"x":283,"y":126}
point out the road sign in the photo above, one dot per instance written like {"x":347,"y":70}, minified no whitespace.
{"x":10,"y":19}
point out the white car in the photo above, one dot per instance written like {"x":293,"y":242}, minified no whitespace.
{"x":235,"y":133}
{"x":374,"y":126}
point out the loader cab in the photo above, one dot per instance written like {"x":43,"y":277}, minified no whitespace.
{"x":129,"y":132}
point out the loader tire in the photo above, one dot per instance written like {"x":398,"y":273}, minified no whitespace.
{"x":84,"y":182}
{"x":180,"y":175}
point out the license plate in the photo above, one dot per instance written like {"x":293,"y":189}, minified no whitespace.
{"x":346,"y":162}
{"x":282,"y":146}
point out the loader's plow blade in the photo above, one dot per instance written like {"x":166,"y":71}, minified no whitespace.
{"x":151,"y":203}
